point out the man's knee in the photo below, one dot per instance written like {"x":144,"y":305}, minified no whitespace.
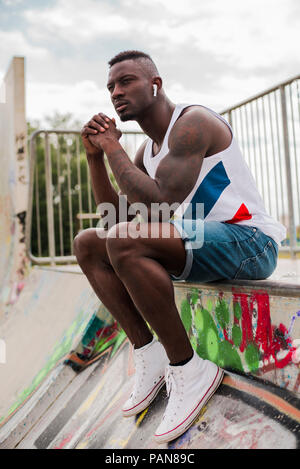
{"x":87,"y":242}
{"x":119,"y":245}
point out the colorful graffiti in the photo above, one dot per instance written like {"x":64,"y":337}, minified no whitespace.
{"x":238,"y":334}
{"x":101,"y":333}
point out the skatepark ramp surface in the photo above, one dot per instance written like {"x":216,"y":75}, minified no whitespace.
{"x":73,"y":399}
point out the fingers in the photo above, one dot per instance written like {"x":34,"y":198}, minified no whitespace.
{"x":86,"y":131}
{"x":98,"y":123}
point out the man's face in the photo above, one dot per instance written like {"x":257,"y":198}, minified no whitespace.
{"x":130,"y":89}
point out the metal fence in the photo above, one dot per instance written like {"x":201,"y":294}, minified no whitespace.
{"x":60,"y":197}
{"x":267,"y":128}
{"x":61,"y":202}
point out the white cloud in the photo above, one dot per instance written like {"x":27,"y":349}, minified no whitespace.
{"x":82,"y":99}
{"x":12,"y":2}
{"x":252,"y":34}
{"x":15,"y":43}
{"x":212,"y":52}
{"x":75,"y":22}
{"x":247,"y":34}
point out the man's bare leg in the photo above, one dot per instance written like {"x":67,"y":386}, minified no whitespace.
{"x":137,"y":286}
{"x":143,"y":265}
{"x":91,"y":254}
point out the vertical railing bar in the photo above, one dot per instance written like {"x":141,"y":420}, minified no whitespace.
{"x":280,"y":156}
{"x":234,"y":123}
{"x":60,"y":224}
{"x":288,"y":170}
{"x":89,"y":194}
{"x":29,"y":215}
{"x":231,"y":123}
{"x":248,"y":139}
{"x":230,"y":118}
{"x":254,"y":143}
{"x":295,"y":148}
{"x":267,"y":155}
{"x":69,"y":196}
{"x":79,"y":180}
{"x":242,"y":130}
{"x":37,"y":210}
{"x":273,"y":154}
{"x":298,"y":102}
{"x":49,"y":198}
{"x":260,"y":152}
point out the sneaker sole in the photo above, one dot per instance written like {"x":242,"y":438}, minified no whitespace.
{"x":142,"y":405}
{"x":187,"y":422}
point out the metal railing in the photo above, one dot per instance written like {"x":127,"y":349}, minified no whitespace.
{"x":267,"y":129}
{"x":60,"y":196}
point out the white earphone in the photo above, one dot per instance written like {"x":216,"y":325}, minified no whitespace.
{"x":154,"y":90}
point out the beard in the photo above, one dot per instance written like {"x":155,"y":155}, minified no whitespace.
{"x":130,"y":116}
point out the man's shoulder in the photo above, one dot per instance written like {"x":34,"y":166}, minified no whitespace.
{"x":195,"y":112}
{"x":194,"y":118}
{"x":192,"y":129}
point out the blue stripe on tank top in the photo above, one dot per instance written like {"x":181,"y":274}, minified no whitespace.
{"x":210,"y":190}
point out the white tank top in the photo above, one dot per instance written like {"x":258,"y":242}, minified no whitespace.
{"x":225,"y":186}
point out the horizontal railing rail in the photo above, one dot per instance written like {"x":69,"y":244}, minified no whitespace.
{"x":60,"y":196}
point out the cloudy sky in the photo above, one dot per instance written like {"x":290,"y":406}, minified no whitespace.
{"x":212,"y":52}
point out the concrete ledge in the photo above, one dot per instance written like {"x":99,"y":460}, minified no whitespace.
{"x":274,"y":287}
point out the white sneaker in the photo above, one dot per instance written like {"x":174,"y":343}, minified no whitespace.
{"x":189,"y":388}
{"x":150,"y":364}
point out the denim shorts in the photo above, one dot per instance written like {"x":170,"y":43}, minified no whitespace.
{"x":226,"y":251}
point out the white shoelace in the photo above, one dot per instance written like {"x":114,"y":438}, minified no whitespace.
{"x":170,"y":381}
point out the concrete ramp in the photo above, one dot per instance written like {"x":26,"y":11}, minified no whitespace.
{"x":251,"y":329}
{"x":244,"y":414}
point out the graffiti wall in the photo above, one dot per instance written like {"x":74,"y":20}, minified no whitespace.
{"x":13,"y":184}
{"x":251,"y":331}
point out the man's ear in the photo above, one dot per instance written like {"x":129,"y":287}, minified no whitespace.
{"x":158,"y":82}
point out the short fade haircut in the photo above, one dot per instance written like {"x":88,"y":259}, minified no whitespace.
{"x":135,"y":55}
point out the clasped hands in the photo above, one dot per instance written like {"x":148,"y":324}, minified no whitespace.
{"x":98,"y":131}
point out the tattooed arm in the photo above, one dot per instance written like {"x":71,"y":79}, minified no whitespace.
{"x":176,"y":175}
{"x":102,"y":187}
